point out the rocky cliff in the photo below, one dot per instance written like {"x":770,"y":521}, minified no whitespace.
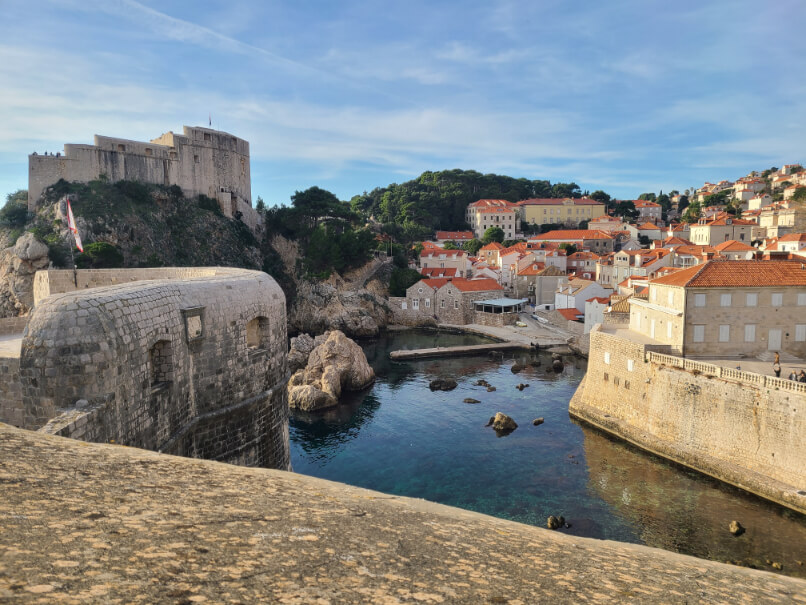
{"x":18,"y":264}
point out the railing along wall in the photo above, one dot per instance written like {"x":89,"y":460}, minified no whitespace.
{"x":716,"y":371}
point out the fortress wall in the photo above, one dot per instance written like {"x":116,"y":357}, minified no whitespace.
{"x":193,"y":367}
{"x":12,"y":325}
{"x":742,"y":433}
{"x":202,"y":161}
{"x":11,"y":408}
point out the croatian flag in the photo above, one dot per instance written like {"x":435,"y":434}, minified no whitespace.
{"x":71,"y":223}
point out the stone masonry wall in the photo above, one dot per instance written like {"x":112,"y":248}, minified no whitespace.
{"x":11,"y":410}
{"x":12,"y":325}
{"x":494,"y":319}
{"x":739,"y":431}
{"x":164,"y":365}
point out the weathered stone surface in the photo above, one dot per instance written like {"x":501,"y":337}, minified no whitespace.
{"x":557,"y":365}
{"x":98,"y":523}
{"x":300,"y":349}
{"x":517,"y":368}
{"x":18,"y":265}
{"x":522,"y":386}
{"x":471,"y":400}
{"x":502,"y":422}
{"x":442,"y":384}
{"x":736,"y":528}
{"x":555,"y":522}
{"x":538,"y":421}
{"x":490,"y":389}
{"x":336,"y":364}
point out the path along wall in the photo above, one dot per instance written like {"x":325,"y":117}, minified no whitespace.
{"x":742,"y":428}
{"x":194,"y":366}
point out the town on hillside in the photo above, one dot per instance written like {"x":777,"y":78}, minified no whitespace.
{"x":579,"y":262}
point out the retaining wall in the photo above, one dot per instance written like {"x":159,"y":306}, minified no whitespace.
{"x":742,"y":428}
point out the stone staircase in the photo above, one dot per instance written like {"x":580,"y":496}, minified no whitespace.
{"x":769,"y":356}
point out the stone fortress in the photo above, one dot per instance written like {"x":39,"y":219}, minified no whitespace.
{"x":187,"y":361}
{"x":200,"y":161}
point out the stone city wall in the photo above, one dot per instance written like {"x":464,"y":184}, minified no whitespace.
{"x":494,"y":319}
{"x":195,"y":367}
{"x":742,"y":428}
{"x":12,"y":325}
{"x":11,"y":409}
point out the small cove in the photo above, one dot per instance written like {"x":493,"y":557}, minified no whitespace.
{"x":398,"y":437}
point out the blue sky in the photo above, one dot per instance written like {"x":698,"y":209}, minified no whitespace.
{"x":625,"y":96}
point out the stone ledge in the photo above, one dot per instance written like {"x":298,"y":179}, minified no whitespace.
{"x":86,"y":523}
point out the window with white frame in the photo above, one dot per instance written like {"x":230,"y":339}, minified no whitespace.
{"x":415,"y":304}
{"x":777,"y":299}
{"x":670,"y":298}
{"x":427,"y":303}
{"x":668,"y":329}
{"x":607,"y":357}
{"x":724,"y":333}
{"x":456,"y":304}
{"x":699,"y":333}
{"x":750,"y":333}
{"x":751,"y":300}
{"x":802,"y":299}
{"x":699,"y":300}
{"x":724,"y":300}
{"x":800,"y":332}
{"x":630,"y":365}
{"x":442,"y":304}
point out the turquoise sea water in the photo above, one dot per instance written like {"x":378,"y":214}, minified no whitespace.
{"x":399,"y":437}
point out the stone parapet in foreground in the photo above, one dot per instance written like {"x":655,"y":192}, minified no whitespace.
{"x":84,"y":523}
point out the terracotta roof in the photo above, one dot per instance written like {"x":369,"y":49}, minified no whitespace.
{"x":437,"y":272}
{"x":476,"y":285}
{"x":621,"y":305}
{"x":599,"y":299}
{"x":645,"y":204}
{"x":650,"y":226}
{"x":571,"y":314}
{"x":722,"y":221}
{"x":584,"y":255}
{"x":454,"y":235}
{"x":734,"y":246}
{"x":793,"y":237}
{"x":434,"y":282}
{"x":491,"y":203}
{"x":532,"y":269}
{"x":738,"y":273}
{"x":432,"y":253}
{"x":551,"y":201}
{"x":492,"y":246}
{"x":573,"y":234}
{"x":497,"y":210}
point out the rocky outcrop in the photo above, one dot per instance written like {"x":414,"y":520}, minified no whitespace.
{"x":334,"y":364}
{"x":18,"y":264}
{"x":503,"y":423}
{"x":321,"y":307}
{"x":442,"y":384}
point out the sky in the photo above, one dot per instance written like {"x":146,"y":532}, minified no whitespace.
{"x":349,"y":95}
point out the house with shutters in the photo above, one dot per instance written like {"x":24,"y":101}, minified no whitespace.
{"x":711,"y":232}
{"x":595,"y":241}
{"x":439,"y":258}
{"x":483,"y":214}
{"x":725,"y":308}
{"x":448,"y":301}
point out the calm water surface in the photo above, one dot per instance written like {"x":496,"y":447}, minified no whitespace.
{"x":399,"y":437}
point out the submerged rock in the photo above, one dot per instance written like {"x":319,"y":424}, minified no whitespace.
{"x":337,"y":364}
{"x":442,"y":384}
{"x":521,"y":386}
{"x":516,"y":368}
{"x":490,"y":389}
{"x":471,"y":400}
{"x":502,"y":422}
{"x":538,"y":421}
{"x":555,"y":522}
{"x":557,"y":365}
{"x":735,"y":528}
{"x":482,"y":383}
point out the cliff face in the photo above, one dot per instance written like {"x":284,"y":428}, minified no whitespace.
{"x":18,"y":264}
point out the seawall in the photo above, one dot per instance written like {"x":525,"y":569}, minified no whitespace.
{"x":741,"y":428}
{"x":94,"y":523}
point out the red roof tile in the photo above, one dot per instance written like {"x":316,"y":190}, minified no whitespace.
{"x":437,"y":272}
{"x":738,"y":273}
{"x":455,"y":235}
{"x":573,"y":234}
{"x":476,"y":285}
{"x":571,"y":314}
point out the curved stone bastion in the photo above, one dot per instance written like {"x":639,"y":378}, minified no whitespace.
{"x":188,"y":361}
{"x":91,"y":523}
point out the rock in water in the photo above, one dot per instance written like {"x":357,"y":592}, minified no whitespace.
{"x":337,"y":364}
{"x":471,"y":400}
{"x":516,"y":368}
{"x":555,"y":522}
{"x":502,"y":422}
{"x":490,"y":389}
{"x":521,"y":386}
{"x":442,"y":384}
{"x":735,"y":528}
{"x":557,"y":365}
{"x":538,"y":421}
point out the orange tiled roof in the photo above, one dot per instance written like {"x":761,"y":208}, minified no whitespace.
{"x":491,"y":203}
{"x":793,"y":237}
{"x":532,"y":269}
{"x":455,"y":235}
{"x":738,"y":273}
{"x":437,"y":272}
{"x":571,"y":314}
{"x":492,"y":246}
{"x":573,"y":234}
{"x":733,"y":246}
{"x":436,"y":253}
{"x":476,"y":285}
{"x":435,"y":282}
{"x":556,"y":201}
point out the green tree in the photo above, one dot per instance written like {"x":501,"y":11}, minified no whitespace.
{"x":260,"y":205}
{"x":99,"y":255}
{"x":626,"y":210}
{"x":493,"y":234}
{"x":692,"y":213}
{"x":583,"y":225}
{"x":649,"y":197}
{"x":600,"y":196}
{"x":472,"y":246}
{"x":315,"y":205}
{"x":449,"y":245}
{"x":401,"y":280}
{"x":569,"y":248}
{"x":14,"y":213}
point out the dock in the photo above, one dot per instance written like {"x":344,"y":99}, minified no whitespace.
{"x":456,"y":351}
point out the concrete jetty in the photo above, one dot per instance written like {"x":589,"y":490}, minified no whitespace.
{"x":456,"y":351}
